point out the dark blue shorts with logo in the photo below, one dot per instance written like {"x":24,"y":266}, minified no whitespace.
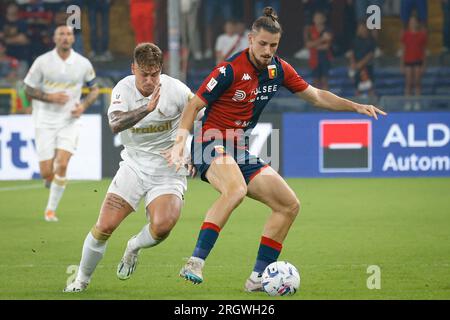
{"x":203,"y":153}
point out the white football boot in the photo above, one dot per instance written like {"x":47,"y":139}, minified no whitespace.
{"x":192,"y":270}
{"x":253,"y":286}
{"x":76,"y":286}
{"x":127,"y":264}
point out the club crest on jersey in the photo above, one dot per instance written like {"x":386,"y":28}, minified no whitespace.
{"x":272,"y":71}
{"x":246,"y":77}
{"x":239,"y":95}
{"x":211,"y":84}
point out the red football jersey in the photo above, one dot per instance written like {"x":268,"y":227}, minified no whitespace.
{"x":236,"y":92}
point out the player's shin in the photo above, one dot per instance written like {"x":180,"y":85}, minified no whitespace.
{"x":206,"y":239}
{"x":57,"y":188}
{"x":268,"y":252}
{"x":93,"y":250}
{"x":143,"y":239}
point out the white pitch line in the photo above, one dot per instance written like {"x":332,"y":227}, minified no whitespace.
{"x":30,"y":186}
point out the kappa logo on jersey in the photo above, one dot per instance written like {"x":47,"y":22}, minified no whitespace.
{"x":222,"y":70}
{"x":345,"y":146}
{"x":239,"y":95}
{"x":211,"y":84}
{"x":246,"y":77}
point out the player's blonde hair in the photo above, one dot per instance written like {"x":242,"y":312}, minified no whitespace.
{"x":268,"y":21}
{"x":148,"y":54}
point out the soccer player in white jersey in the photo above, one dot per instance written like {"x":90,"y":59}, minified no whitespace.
{"x":54,"y":82}
{"x":145,"y":110}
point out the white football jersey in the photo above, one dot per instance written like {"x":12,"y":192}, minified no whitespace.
{"x":156,"y":132}
{"x":50,"y":74}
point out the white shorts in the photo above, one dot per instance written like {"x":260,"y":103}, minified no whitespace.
{"x":128,"y":185}
{"x":50,"y":139}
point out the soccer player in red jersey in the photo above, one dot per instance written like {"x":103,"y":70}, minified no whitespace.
{"x":234,"y":95}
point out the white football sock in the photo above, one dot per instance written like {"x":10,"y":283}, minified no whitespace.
{"x":57,"y":188}
{"x":93,"y":251}
{"x":143,"y":240}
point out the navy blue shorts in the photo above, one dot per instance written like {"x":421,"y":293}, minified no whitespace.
{"x":203,"y":153}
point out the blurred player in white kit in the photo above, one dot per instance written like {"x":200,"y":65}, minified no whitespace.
{"x":145,"y":110}
{"x":54,"y":82}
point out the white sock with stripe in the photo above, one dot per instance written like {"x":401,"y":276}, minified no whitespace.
{"x":57,"y":188}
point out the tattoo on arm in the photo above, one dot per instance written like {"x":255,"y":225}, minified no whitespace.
{"x":36,"y":94}
{"x":91,"y":97}
{"x":119,"y":120}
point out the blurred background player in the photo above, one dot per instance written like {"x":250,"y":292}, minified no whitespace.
{"x":235,"y":94}
{"x":54,"y":82}
{"x":145,"y":110}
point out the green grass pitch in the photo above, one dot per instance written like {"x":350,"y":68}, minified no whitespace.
{"x":345,"y":226}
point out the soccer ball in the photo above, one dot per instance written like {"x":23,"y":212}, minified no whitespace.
{"x":280,"y":278}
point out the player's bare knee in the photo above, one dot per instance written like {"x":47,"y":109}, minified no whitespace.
{"x":161,"y":225}
{"x":235,"y":194}
{"x":292,"y":208}
{"x":61,"y":168}
{"x":161,"y":230}
{"x":105,"y":228}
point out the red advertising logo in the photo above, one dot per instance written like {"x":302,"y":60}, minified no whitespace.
{"x":345,"y":146}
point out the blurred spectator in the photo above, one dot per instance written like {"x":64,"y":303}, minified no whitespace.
{"x":190,"y":37}
{"x":361,"y":16}
{"x":8,"y":67}
{"x":309,"y":7}
{"x":318,"y":40}
{"x":343,"y":23}
{"x":407,"y":7}
{"x":143,"y":19}
{"x":446,"y":25}
{"x":312,"y":6}
{"x":414,"y":41}
{"x":38,"y":19}
{"x":98,"y":12}
{"x":216,"y":11}
{"x":261,"y":4}
{"x":361,"y":61}
{"x":233,"y":40}
{"x":14,"y":33}
{"x":243,"y":32}
{"x":56,"y":5}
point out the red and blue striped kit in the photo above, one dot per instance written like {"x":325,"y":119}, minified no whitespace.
{"x":236,"y":92}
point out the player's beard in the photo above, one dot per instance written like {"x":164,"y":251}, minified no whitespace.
{"x":260,"y":62}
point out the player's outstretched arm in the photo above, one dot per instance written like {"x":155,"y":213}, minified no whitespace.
{"x":122,"y":120}
{"x":57,"y":97}
{"x":325,"y":99}
{"x":190,"y":112}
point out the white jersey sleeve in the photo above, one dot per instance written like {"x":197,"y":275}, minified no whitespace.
{"x":184,"y":94}
{"x":35,"y":75}
{"x":90,"y":73}
{"x":119,"y":97}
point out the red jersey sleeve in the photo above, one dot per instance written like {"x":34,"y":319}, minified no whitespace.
{"x":292,"y":81}
{"x":216,"y":83}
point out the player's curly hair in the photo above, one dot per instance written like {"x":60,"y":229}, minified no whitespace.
{"x":147,"y":54}
{"x":268,"y":21}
